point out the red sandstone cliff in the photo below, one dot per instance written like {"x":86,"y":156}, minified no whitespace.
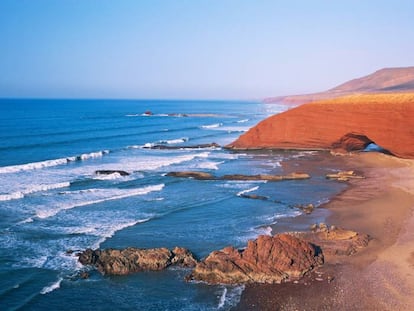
{"x":348,"y":123}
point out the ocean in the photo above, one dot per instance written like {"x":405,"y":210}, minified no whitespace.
{"x":51,"y":200}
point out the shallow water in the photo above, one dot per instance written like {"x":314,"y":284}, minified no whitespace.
{"x":51,"y":200}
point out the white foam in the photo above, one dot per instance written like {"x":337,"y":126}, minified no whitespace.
{"x":174,"y":141}
{"x":209,"y":165}
{"x":211,"y":126}
{"x":32,"y":189}
{"x":230,"y":297}
{"x":51,"y":287}
{"x":46,"y":213}
{"x":234,"y":129}
{"x":247,"y":190}
{"x":92,"y":155}
{"x":51,"y":163}
{"x":112,"y":176}
{"x":243,"y":121}
{"x":109,"y":232}
{"x":222,"y":298}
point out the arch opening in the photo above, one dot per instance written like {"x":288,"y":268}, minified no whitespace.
{"x":352,"y":142}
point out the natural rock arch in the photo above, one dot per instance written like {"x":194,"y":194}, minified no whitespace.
{"x":355,"y":142}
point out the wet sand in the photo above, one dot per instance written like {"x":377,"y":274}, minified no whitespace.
{"x":379,"y":277}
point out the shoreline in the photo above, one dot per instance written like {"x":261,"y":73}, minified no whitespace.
{"x":379,"y":277}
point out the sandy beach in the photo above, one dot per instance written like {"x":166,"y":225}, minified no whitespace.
{"x":379,"y":277}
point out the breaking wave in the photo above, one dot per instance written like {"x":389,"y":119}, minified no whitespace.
{"x":50,"y":163}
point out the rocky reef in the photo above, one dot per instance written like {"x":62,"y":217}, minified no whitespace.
{"x":208,"y":176}
{"x":343,"y":125}
{"x":132,"y":260}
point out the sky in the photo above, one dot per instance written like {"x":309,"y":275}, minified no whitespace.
{"x":204,"y":49}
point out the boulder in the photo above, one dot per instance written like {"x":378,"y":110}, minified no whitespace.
{"x":253,"y":196}
{"x":132,"y":260}
{"x":347,"y":123}
{"x":268,"y":259}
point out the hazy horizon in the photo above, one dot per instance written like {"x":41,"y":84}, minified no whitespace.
{"x":196,"y":50}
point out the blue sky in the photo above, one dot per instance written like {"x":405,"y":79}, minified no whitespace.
{"x":196,"y":49}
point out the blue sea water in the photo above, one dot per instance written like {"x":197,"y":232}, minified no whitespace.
{"x":52,"y":201}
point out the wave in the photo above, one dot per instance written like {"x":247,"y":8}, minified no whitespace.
{"x":51,"y":163}
{"x":211,"y":126}
{"x":51,"y":287}
{"x":209,"y":165}
{"x":174,"y":141}
{"x":247,"y":190}
{"x":43,"y":214}
{"x":243,"y":121}
{"x":36,"y":188}
{"x":230,"y":297}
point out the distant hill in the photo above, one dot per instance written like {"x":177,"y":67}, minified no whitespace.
{"x":382,"y":81}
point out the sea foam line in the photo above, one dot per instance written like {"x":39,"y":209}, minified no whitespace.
{"x":51,"y":287}
{"x":211,"y":126}
{"x":42,"y":214}
{"x":36,"y":188}
{"x":247,"y":190}
{"x":50,"y":163}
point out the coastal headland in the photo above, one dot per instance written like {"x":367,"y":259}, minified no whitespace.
{"x":381,"y":276}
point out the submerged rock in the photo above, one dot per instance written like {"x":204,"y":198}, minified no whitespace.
{"x":268,"y":259}
{"x":191,"y":174}
{"x":132,"y":260}
{"x":253,"y":196}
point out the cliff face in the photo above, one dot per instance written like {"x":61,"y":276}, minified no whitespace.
{"x":346,"y":124}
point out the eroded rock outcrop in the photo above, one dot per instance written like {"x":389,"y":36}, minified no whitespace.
{"x":344,"y":176}
{"x":335,"y":241}
{"x":208,"y":176}
{"x":132,"y":260}
{"x":268,"y":259}
{"x":346,"y":123}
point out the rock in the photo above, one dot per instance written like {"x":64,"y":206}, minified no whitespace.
{"x":132,"y":260}
{"x":344,"y":176}
{"x":335,"y":241}
{"x":350,"y":142}
{"x":148,"y":113}
{"x":84,"y":275}
{"x":267,"y":259}
{"x":291,"y":176}
{"x":191,"y":174}
{"x":385,"y":119}
{"x":253,"y":196}
{"x":208,"y":176}
{"x":167,"y":147}
{"x":308,"y":209}
{"x":109,"y":172}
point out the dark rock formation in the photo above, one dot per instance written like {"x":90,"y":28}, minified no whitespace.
{"x":346,"y":122}
{"x":208,"y":176}
{"x":191,"y":174}
{"x":253,"y":196}
{"x":132,"y":260}
{"x":308,"y":209}
{"x":265,"y":260}
{"x":108,"y":172}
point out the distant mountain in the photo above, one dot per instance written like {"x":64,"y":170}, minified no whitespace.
{"x":386,"y":80}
